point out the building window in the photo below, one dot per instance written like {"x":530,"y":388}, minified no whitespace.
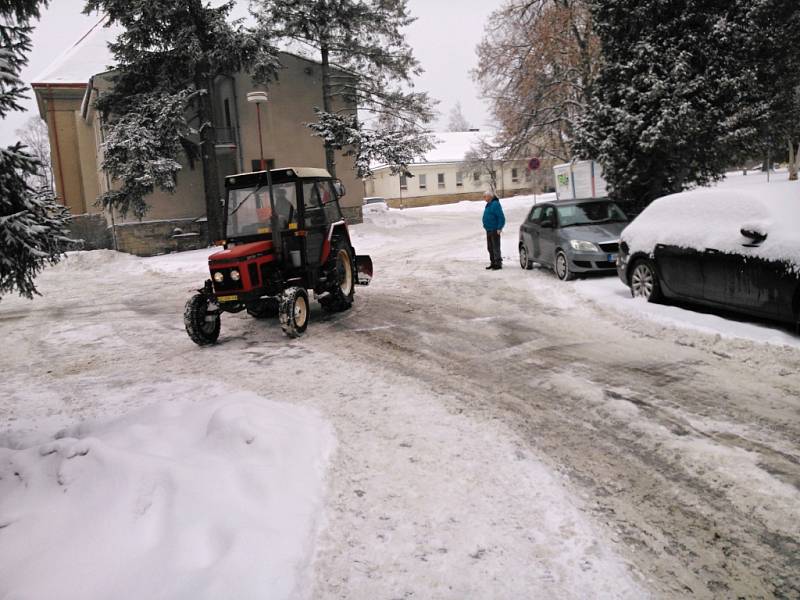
{"x":459,"y":179}
{"x":440,"y":180}
{"x":514,"y":176}
{"x":403,"y":182}
{"x":423,"y":182}
{"x":228,"y":122}
{"x":476,"y":177}
{"x":255,"y":164}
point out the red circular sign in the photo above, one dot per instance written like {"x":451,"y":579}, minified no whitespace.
{"x":534,"y":164}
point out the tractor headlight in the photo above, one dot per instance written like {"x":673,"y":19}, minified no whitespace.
{"x":235,"y":275}
{"x":219,"y":277}
{"x":581,"y":246}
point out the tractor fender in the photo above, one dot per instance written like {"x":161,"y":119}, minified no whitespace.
{"x":326,"y":245}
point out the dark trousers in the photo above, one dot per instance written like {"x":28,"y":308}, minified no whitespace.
{"x":493,"y":245}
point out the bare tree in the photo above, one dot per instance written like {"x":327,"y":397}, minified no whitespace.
{"x":535,"y":64}
{"x":484,"y":158}
{"x":34,"y":136}
{"x":458,"y":122}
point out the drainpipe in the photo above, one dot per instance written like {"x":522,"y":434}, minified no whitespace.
{"x":238,"y":124}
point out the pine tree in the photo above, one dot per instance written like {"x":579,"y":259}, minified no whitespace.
{"x":458,"y":122}
{"x":771,"y":49}
{"x":32,"y":226}
{"x":365,"y":61}
{"x":167,"y":59}
{"x":680,"y":94}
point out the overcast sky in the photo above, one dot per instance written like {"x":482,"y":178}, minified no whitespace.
{"x":444,"y":39}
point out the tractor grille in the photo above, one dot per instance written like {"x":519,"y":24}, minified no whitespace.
{"x":612,"y":247}
{"x":252,"y":269}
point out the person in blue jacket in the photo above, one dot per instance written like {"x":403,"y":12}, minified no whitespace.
{"x":493,"y":222}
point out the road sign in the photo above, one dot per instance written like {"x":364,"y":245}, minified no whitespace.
{"x":534,"y":164}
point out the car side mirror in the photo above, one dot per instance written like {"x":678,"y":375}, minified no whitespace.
{"x":338,"y":186}
{"x":546,"y":224}
{"x":755,"y":237}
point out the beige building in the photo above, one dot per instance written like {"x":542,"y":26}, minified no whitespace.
{"x":443,"y":177}
{"x":66,"y":91}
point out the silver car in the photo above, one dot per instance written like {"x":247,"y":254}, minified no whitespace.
{"x":572,"y":236}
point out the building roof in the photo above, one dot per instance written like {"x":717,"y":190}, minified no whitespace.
{"x":452,"y":146}
{"x":88,"y":56}
{"x":449,"y":147}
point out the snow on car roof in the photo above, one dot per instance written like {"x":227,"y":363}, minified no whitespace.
{"x":712,"y":218}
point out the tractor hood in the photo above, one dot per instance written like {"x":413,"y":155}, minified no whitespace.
{"x":241,"y":251}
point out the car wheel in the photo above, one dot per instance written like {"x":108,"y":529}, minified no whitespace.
{"x":644,"y":281}
{"x":524,"y":260}
{"x":562,"y":267}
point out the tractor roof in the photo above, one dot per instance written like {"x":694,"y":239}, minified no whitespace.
{"x":299,"y":172}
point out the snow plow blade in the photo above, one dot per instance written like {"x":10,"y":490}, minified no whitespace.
{"x":364,"y":269}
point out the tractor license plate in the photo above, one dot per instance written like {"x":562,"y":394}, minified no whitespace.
{"x":227,"y":298}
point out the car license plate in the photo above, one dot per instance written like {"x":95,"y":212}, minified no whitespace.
{"x":227,"y":298}
{"x":612,"y":258}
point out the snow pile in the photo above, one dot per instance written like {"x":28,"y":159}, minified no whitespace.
{"x":178,"y":500}
{"x":714,"y":217}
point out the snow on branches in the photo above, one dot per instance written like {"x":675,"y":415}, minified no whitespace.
{"x":393,"y":146}
{"x":366,"y":63}
{"x":141,"y":147}
{"x":32,"y":225}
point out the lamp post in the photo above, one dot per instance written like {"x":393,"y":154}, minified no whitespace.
{"x":258,"y":98}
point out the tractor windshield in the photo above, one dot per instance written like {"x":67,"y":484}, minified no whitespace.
{"x":250,"y":212}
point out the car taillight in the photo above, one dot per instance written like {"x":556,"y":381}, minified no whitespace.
{"x":624,"y":247}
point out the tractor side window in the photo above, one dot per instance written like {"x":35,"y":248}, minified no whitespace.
{"x":329,"y":204}
{"x":285,"y":204}
{"x":314,"y":215}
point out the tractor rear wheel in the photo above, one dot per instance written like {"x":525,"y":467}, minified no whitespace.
{"x":341,"y":296}
{"x":294,"y":311}
{"x":202,"y":322}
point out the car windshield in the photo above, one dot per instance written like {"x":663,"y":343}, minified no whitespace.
{"x":250,"y":213}
{"x":590,"y":213}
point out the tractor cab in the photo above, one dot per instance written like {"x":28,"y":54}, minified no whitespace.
{"x":284,"y":235}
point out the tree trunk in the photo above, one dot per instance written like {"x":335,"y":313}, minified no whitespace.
{"x":330,"y":158}
{"x":793,"y":161}
{"x":208,"y":151}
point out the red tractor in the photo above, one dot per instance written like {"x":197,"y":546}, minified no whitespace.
{"x":284,"y":235}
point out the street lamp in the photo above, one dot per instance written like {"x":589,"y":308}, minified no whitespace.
{"x":257,"y":98}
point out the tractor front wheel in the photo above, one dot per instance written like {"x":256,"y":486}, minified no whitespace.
{"x":201,"y":320}
{"x":294,"y":311}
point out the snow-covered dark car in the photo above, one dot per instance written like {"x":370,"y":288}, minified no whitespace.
{"x":572,"y":236}
{"x":734,"y":249}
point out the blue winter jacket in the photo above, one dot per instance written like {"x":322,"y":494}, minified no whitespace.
{"x":493,"y":217}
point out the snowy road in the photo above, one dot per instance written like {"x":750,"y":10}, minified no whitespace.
{"x":499,"y":434}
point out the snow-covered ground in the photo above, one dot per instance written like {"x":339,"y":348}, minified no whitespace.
{"x":458,"y":433}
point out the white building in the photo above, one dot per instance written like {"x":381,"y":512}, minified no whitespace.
{"x":442,"y":177}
